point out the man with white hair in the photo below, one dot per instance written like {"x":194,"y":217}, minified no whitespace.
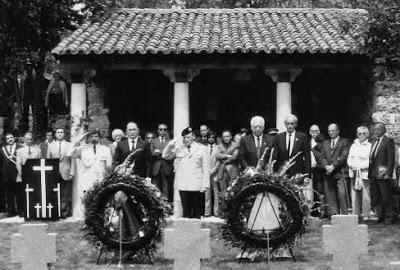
{"x":290,"y":143}
{"x":252,"y":146}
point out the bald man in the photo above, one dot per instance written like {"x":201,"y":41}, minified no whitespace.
{"x":290,"y":143}
{"x":252,"y":146}
{"x":132,"y":143}
{"x":334,"y":160}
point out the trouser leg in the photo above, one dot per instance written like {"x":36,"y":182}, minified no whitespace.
{"x":66,"y":198}
{"x":330,"y":195}
{"x":356,"y":196}
{"x":11,"y":193}
{"x":196,"y":206}
{"x":376,"y":198}
{"x":386,"y":195}
{"x":185,"y":199}
{"x":366,"y":198}
{"x":216,"y":197}
{"x":343,"y":195}
{"x":208,"y":201}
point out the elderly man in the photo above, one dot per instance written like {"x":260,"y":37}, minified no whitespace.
{"x":192,"y":171}
{"x":131,"y":144}
{"x":382,"y":160}
{"x":252,"y":146}
{"x":291,"y":143}
{"x":334,"y":159}
{"x":28,"y":151}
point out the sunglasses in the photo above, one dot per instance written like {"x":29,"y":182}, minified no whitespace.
{"x":162,"y":129}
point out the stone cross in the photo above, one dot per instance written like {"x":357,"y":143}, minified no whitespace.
{"x":346,"y":240}
{"x":33,"y":247}
{"x":186,"y":243}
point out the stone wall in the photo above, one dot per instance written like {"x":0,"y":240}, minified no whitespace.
{"x":387,"y":105}
{"x":96,"y":110}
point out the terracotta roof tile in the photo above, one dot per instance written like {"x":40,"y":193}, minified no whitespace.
{"x":186,"y":31}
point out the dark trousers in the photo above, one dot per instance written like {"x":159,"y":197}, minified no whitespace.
{"x":2,"y":196}
{"x":337,"y":196}
{"x":15,"y":198}
{"x":191,"y":204}
{"x":66,"y":198}
{"x":382,"y":198}
{"x":319,"y":197}
{"x":165,"y":183}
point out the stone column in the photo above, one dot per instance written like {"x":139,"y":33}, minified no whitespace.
{"x":78,"y":104}
{"x":283,"y":81}
{"x":181,"y":79}
{"x":78,"y":110}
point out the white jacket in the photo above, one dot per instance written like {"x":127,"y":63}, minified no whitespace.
{"x":358,"y":158}
{"x":192,"y":169}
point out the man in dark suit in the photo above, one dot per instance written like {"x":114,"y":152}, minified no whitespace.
{"x":334,"y":160}
{"x":382,"y":159}
{"x":252,"y":146}
{"x":289,"y":143}
{"x":203,"y":138}
{"x":45,"y":145}
{"x":8,"y":184}
{"x":132,"y":143}
{"x":162,"y":170}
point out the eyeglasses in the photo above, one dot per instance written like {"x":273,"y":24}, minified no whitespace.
{"x":162,"y":129}
{"x":150,"y":137}
{"x":362,"y":133}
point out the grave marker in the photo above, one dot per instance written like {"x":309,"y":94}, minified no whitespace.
{"x":33,"y":247}
{"x":346,"y":240}
{"x":186,"y":243}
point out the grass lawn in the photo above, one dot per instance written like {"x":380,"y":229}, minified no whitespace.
{"x":74,"y":252}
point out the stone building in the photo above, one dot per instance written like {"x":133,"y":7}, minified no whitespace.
{"x":220,"y":66}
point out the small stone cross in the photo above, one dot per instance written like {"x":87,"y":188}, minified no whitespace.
{"x":346,"y":240}
{"x":186,"y":243}
{"x":33,"y":247}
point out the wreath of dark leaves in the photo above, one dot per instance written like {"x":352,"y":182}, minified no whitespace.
{"x":293,"y":218}
{"x":146,"y":194}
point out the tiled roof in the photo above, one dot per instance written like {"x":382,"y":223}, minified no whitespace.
{"x":187,"y":31}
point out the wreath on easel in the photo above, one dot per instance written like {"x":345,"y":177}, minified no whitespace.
{"x":243,"y":201}
{"x":125,"y":212}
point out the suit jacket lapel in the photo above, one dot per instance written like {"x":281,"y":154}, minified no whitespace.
{"x":381,"y":144}
{"x":283,"y":144}
{"x":253,"y":143}
{"x":295,"y":143}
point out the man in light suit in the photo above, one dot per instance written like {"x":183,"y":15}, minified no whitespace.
{"x":252,"y":146}
{"x":162,"y":169}
{"x":382,"y":159}
{"x":28,"y":151}
{"x":132,"y":143}
{"x":60,"y":149}
{"x":9,"y":186}
{"x":192,"y":171}
{"x":212,"y":194}
{"x":334,"y":160}
{"x":289,"y":143}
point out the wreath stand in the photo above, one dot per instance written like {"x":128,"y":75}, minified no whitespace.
{"x":267,"y":233}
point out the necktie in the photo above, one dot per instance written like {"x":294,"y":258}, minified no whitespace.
{"x":59,"y":149}
{"x":289,"y":144}
{"x":134,"y":144}
{"x":211,"y":147}
{"x":188,"y":147}
{"x":375,"y":148}
{"x":162,"y":140}
{"x":258,"y":146}
{"x":94,"y":149}
{"x":333,"y":143}
{"x":9,"y":149}
{"x":29,"y":151}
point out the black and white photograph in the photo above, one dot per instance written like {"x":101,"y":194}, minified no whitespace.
{"x":200,"y":134}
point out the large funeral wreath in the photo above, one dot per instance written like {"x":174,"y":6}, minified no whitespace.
{"x":143,"y":210}
{"x":239,"y":200}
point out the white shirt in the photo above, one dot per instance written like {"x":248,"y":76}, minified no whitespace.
{"x":255,"y":140}
{"x":358,"y":158}
{"x":132,"y":143}
{"x":292,"y":136}
{"x":335,"y":141}
{"x":11,"y":148}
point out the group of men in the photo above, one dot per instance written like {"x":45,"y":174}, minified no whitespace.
{"x":196,"y":171}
